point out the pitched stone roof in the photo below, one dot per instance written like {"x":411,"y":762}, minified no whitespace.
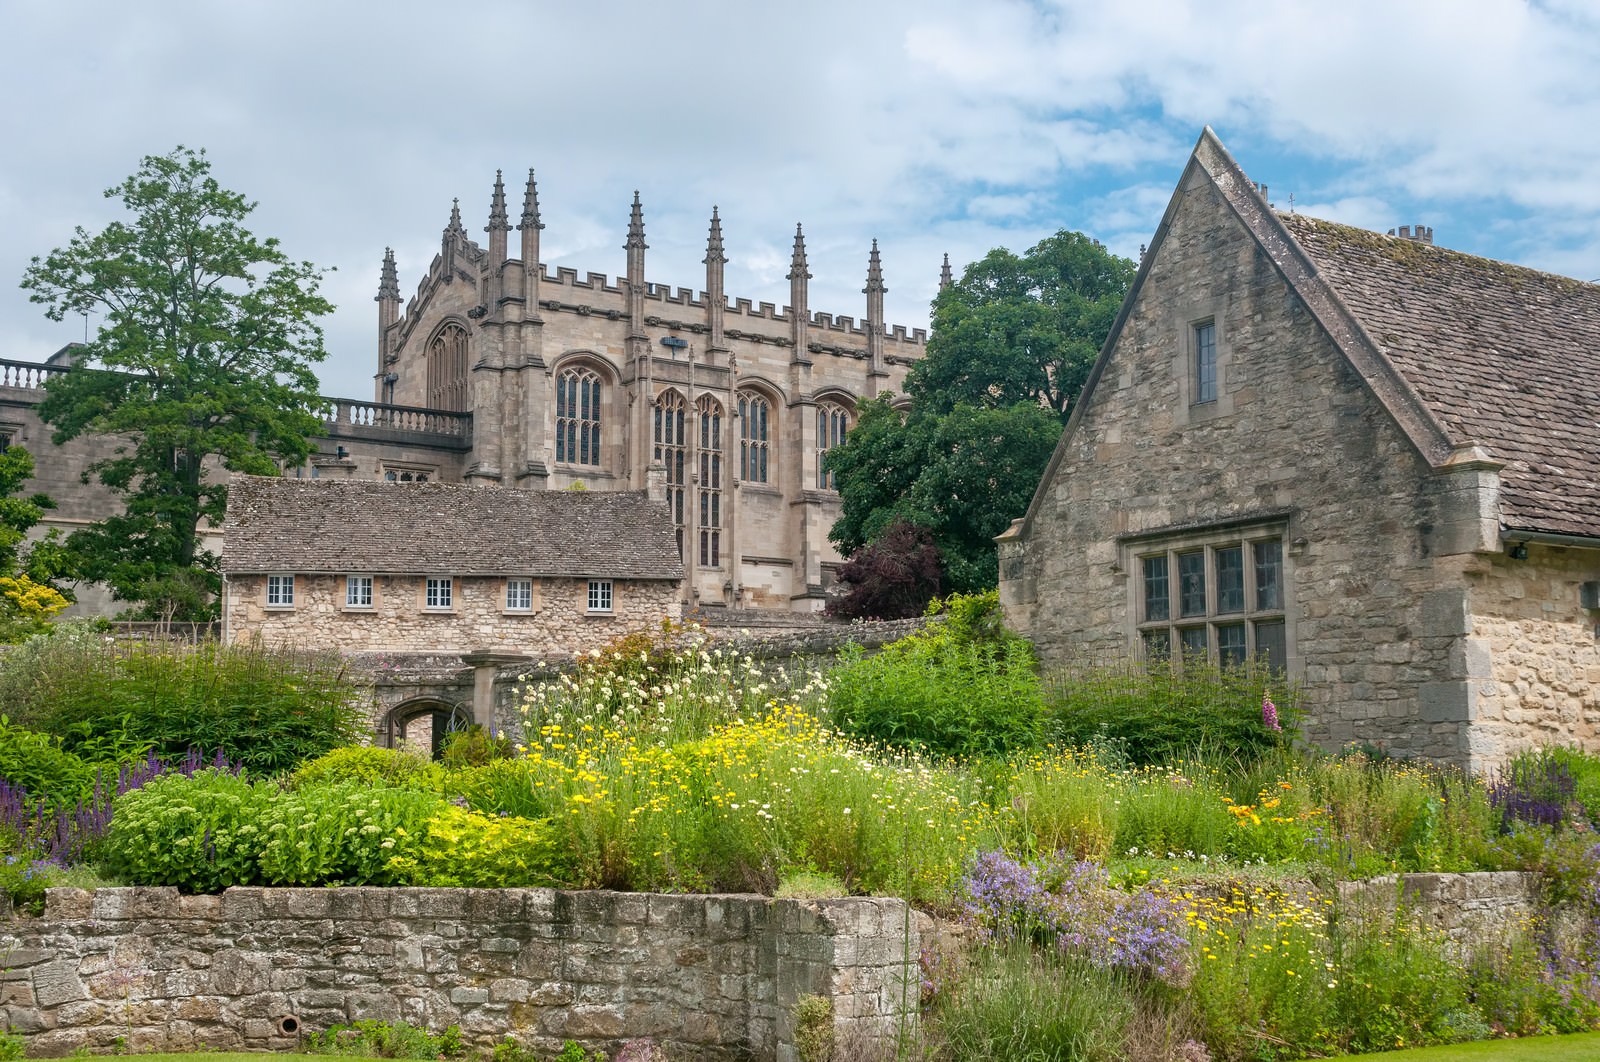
{"x":1501,"y":356}
{"x":332,"y":526}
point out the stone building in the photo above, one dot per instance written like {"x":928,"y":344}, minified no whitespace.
{"x":1371,"y":461}
{"x":438,"y":568}
{"x":500,"y":372}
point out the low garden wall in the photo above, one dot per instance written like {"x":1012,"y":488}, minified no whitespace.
{"x":711,"y":977}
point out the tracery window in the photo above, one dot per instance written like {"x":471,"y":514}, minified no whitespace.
{"x":578,"y":417}
{"x":671,"y":449}
{"x":447,"y":369}
{"x":755,"y":418}
{"x":833,"y":424}
{"x":708,"y":492}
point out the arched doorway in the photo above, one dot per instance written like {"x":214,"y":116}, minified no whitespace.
{"x":424,"y":723}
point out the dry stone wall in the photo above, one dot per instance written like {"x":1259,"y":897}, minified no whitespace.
{"x":710,"y":977}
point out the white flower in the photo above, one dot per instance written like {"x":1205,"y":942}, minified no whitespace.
{"x":1134,"y":850}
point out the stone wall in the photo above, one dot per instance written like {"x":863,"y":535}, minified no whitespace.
{"x":559,"y":623}
{"x":1539,"y":649}
{"x":1471,"y":910}
{"x":712,"y":977}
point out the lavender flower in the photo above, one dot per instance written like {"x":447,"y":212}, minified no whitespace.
{"x":1073,"y":907}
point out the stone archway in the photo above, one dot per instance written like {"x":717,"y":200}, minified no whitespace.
{"x":423,"y":723}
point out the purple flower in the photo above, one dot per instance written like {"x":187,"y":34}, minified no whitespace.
{"x":1269,"y":712}
{"x":1073,"y":907}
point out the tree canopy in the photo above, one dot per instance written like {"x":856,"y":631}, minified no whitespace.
{"x":1022,"y":329}
{"x":1012,"y":345}
{"x":962,"y":476}
{"x":202,"y":359}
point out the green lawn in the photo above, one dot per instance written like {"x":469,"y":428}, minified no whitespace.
{"x":1529,"y":1049}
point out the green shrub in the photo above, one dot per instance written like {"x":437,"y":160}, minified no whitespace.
{"x":12,"y":1046}
{"x":342,"y":834}
{"x":200,"y":833}
{"x":955,"y":688}
{"x":373,"y":766}
{"x":381,"y":1039}
{"x":266,"y":709}
{"x":38,"y":764}
{"x":1154,"y":713}
{"x":475,"y":746}
{"x":463,"y":848}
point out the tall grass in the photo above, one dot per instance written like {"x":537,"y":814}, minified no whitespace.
{"x":1155,"y":713}
{"x":265,"y":708}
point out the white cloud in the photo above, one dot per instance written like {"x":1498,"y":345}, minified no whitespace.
{"x":935,"y":125}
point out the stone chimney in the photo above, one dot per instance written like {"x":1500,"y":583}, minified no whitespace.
{"x":1416,"y":234}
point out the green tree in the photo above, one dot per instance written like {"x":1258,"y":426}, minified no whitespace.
{"x":203,"y":358}
{"x":1022,"y":329}
{"x":1012,"y":345}
{"x":963,"y":475}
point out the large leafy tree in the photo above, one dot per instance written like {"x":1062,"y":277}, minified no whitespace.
{"x":1022,"y":328}
{"x":202,"y":361}
{"x":962,"y":476}
{"x":1012,"y":345}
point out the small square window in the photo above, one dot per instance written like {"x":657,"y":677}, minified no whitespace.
{"x":519,"y":595}
{"x":440,"y":592}
{"x":280,"y":591}
{"x":358,"y":591}
{"x":599,"y":595}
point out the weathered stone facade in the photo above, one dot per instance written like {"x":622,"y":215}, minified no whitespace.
{"x":591,"y":379}
{"x":1307,"y":508}
{"x":711,"y":977}
{"x":736,"y":401}
{"x":559,"y":623}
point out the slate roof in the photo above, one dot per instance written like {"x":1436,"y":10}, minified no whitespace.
{"x":1499,"y":355}
{"x":314,"y":526}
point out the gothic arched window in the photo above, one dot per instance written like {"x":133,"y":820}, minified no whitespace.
{"x":833,"y":424}
{"x":755,"y":420}
{"x":447,"y":369}
{"x":578,"y":417}
{"x":671,"y":449}
{"x":708,"y":491}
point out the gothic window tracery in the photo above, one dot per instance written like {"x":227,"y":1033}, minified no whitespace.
{"x":833,"y":424}
{"x":671,"y":449}
{"x":708,"y":491}
{"x":578,"y":417}
{"x":447,"y":369}
{"x":755,"y":419}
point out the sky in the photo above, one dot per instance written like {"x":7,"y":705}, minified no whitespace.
{"x":933,"y":126}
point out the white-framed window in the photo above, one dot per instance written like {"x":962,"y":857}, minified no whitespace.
{"x":439,"y":592}
{"x":519,"y":595}
{"x":578,"y":417}
{"x":1205,"y":362}
{"x":408,"y":474}
{"x":833,"y":424}
{"x":280,"y":591}
{"x":358,"y":591}
{"x":599,"y":595}
{"x":1219,"y":597}
{"x":755,"y":420}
